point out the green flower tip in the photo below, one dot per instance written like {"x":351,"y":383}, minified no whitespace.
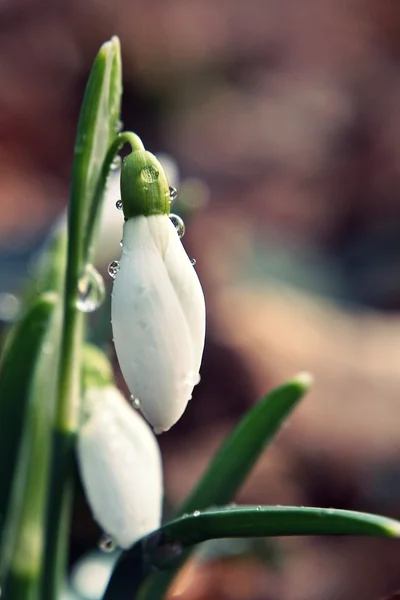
{"x":96,"y":369}
{"x":304,"y":380}
{"x":144,"y":186}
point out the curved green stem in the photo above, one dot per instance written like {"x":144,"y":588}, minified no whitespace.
{"x":125,"y":137}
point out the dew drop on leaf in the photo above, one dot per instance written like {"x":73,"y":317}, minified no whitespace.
{"x":91,"y":290}
{"x":118,"y":204}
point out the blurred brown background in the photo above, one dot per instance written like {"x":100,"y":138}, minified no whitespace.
{"x":286,"y":116}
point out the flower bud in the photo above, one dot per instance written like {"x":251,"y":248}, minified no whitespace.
{"x":158,"y":319}
{"x":120,"y":466}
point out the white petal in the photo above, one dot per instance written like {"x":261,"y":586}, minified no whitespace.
{"x":151,"y":335}
{"x":120,"y":465}
{"x":189,"y":291}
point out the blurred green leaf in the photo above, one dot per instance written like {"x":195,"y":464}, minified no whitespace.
{"x":96,"y":368}
{"x":243,"y":446}
{"x":16,"y":373}
{"x":22,"y":548}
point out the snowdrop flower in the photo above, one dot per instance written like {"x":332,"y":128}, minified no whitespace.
{"x":158,"y":310}
{"x":120,"y":466}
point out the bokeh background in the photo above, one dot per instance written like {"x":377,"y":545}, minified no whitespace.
{"x":283,"y":119}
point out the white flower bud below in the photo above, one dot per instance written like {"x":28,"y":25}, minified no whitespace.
{"x":158,"y":319}
{"x":120,"y":466}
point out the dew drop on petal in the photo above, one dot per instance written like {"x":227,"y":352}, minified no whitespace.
{"x":149,"y":174}
{"x":135,"y":402}
{"x":113,"y":269}
{"x":193,"y":261}
{"x":91,"y":290}
{"x":178,"y":223}
{"x":118,"y":204}
{"x":173,"y":193}
{"x":116,"y":163}
{"x":106,"y":543}
{"x":121,"y":243}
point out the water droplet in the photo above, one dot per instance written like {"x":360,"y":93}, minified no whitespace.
{"x":135,"y":402}
{"x":178,"y":223}
{"x":150,"y":174}
{"x":119,"y":125}
{"x":196,"y":513}
{"x":116,"y":163}
{"x":258,"y":507}
{"x":91,"y":290}
{"x":10,"y":307}
{"x":106,"y":543}
{"x":113,"y":269}
{"x":173,"y":193}
{"x":118,"y":204}
{"x":121,"y":243}
{"x":193,"y":261}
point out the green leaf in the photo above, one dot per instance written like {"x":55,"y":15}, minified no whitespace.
{"x":22,"y":548}
{"x":97,"y":129}
{"x":163,"y":548}
{"x":232,"y":463}
{"x":261,"y":521}
{"x":243,"y":446}
{"x":97,"y":132}
{"x":16,"y":373}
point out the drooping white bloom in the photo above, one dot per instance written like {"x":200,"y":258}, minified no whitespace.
{"x":158,"y":319}
{"x":120,"y":467}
